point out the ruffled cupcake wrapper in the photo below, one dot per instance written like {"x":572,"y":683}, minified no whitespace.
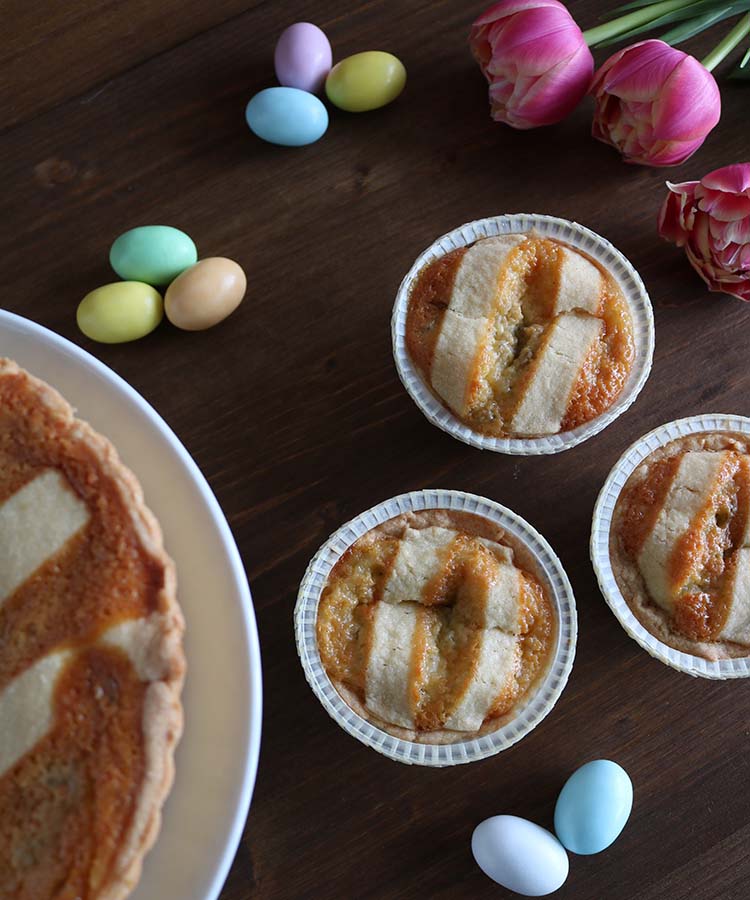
{"x":575,"y":236}
{"x":599,"y":547}
{"x":527,"y":716}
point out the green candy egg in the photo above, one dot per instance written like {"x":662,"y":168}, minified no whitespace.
{"x":119,"y":312}
{"x":155,"y":254}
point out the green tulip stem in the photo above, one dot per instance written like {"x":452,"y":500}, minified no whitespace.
{"x":631,"y":20}
{"x":725,"y":47}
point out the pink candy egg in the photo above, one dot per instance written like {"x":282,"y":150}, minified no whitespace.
{"x":302,"y":57}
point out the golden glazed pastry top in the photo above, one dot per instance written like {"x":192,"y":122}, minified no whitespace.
{"x":680,"y":544}
{"x":520,"y":335}
{"x":434,"y":626}
{"x":91,"y":664}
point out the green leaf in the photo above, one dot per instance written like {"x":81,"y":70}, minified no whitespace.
{"x":690,"y":11}
{"x":745,"y":59}
{"x":686,"y":30}
{"x":639,"y":4}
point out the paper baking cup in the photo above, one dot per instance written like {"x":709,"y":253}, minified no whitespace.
{"x":575,"y":236}
{"x":535,"y":707}
{"x":601,"y":526}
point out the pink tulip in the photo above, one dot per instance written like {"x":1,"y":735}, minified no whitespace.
{"x":710,"y":218}
{"x":535,"y":58}
{"x":654,"y":104}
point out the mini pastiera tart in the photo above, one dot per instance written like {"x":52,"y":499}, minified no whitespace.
{"x":680,"y":544}
{"x":91,"y":661}
{"x":434,"y":626}
{"x":520,"y":335}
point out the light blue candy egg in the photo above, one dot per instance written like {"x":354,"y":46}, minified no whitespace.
{"x":287,"y":116}
{"x":593,"y":807}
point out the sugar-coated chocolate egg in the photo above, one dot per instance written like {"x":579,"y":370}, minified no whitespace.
{"x":520,"y":855}
{"x":119,"y":312}
{"x":302,"y":57}
{"x":593,"y":807}
{"x":205,"y":294}
{"x":155,"y":254}
{"x":365,"y":81}
{"x":287,"y":116}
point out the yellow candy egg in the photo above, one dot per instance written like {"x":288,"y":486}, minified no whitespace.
{"x":120,"y":312}
{"x":365,"y":81}
{"x":205,"y":294}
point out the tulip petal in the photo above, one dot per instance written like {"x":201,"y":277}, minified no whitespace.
{"x":685,"y":188}
{"x":510,"y":7}
{"x":641,"y":70}
{"x":536,"y":41}
{"x":555,"y":94}
{"x":689,"y":104}
{"x":733,"y":179}
{"x":671,"y":222}
{"x":671,"y":153}
{"x":725,"y":207}
{"x":738,"y":232}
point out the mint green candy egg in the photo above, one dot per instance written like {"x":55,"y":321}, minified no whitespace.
{"x":154,"y":254}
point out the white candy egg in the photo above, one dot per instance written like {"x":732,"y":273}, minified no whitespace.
{"x":520,"y":855}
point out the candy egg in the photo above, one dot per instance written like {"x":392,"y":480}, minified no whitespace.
{"x":593,"y":807}
{"x":287,"y":116}
{"x":119,"y":312}
{"x":205,"y":294}
{"x":519,"y":855}
{"x":302,"y":57}
{"x":365,"y":81}
{"x":155,"y":254}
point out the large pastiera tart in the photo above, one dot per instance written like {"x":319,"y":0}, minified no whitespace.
{"x":680,"y":544}
{"x":520,"y":335}
{"x":91,"y":661}
{"x":434,"y":626}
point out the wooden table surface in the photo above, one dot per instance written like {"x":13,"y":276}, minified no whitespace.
{"x":122,"y":113}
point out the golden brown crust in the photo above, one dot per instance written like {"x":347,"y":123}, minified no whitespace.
{"x":437,"y":736}
{"x":162,"y":719}
{"x":468,"y":523}
{"x":627,"y":575}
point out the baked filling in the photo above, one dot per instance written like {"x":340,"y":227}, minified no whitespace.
{"x":434,"y":625}
{"x":90,"y":656}
{"x":682,"y":526}
{"x":520,"y":335}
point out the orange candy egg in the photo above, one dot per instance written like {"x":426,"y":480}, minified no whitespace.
{"x":205,"y":294}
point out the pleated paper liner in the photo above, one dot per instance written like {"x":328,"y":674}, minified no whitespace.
{"x":575,"y":236}
{"x":600,"y":530}
{"x":535,"y":707}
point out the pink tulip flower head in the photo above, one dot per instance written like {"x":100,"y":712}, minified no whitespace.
{"x":535,"y":59}
{"x":654,"y":103}
{"x":710,"y":218}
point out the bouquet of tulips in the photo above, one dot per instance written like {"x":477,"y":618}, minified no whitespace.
{"x":654,"y":103}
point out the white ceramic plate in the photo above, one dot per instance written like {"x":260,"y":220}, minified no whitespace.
{"x":217,"y":758}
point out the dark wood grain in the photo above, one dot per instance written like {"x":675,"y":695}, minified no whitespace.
{"x":132,"y":113}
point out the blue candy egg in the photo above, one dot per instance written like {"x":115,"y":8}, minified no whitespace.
{"x":287,"y":116}
{"x":593,"y":807}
